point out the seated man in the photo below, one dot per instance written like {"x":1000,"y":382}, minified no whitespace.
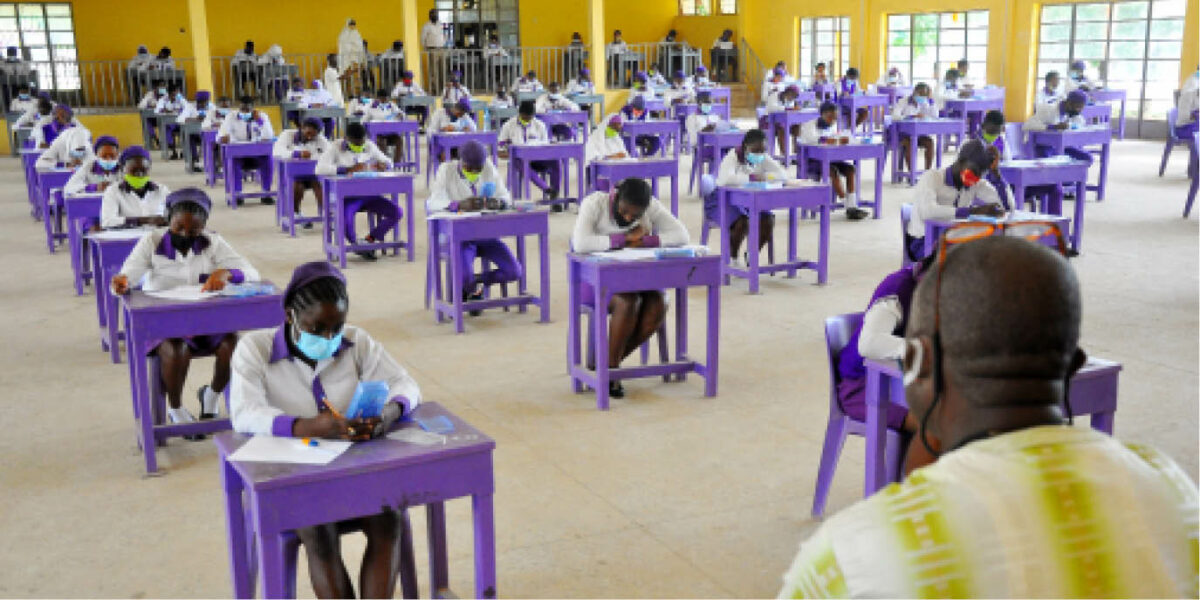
{"x":1017,"y":503}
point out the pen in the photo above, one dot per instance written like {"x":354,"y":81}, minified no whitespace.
{"x":309,"y":442}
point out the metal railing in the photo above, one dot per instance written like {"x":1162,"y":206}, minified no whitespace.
{"x":753,"y":71}
{"x":269,"y":83}
{"x":482,"y":70}
{"x":95,"y":84}
{"x":667,"y":58}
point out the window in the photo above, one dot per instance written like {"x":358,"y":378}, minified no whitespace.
{"x":924,"y":46}
{"x":1135,"y":46}
{"x":702,"y":8}
{"x":469,"y":23}
{"x":728,"y":7}
{"x":45,"y":33}
{"x":827,"y":40}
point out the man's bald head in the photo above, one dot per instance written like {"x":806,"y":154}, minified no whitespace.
{"x":1010,"y":313}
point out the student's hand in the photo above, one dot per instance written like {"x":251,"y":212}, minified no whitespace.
{"x":617,"y":155}
{"x":305,"y":154}
{"x":44,"y":145}
{"x":988,"y":210}
{"x":448,"y":128}
{"x":756,"y":177}
{"x":103,"y":185}
{"x":120,"y":285}
{"x":380,"y":166}
{"x":502,"y":154}
{"x":223,"y":139}
{"x":74,"y":163}
{"x":155,"y":221}
{"x":362,"y":429}
{"x":1059,"y":126}
{"x":216,"y":281}
{"x":493,"y":204}
{"x":635,"y":235}
{"x":325,"y":425}
{"x":357,"y":168}
{"x":711,"y":127}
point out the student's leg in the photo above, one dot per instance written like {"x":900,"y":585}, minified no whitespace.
{"x":779,"y":139}
{"x":738,"y":230}
{"x":318,"y":193}
{"x":766,"y":228}
{"x":507,"y":268}
{"x":926,"y":143}
{"x":836,"y":182}
{"x":860,"y":117}
{"x":624,"y":309}
{"x":323,"y":548}
{"x":905,"y":143}
{"x":994,"y":178}
{"x":467,"y":257}
{"x":377,"y":579}
{"x":223,"y":353}
{"x":650,"y":314}
{"x":386,"y":213}
{"x":397,"y":144}
{"x":174,"y":358}
{"x":847,"y":171}
{"x":298,"y":193}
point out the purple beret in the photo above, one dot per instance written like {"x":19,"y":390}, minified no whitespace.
{"x":203,"y":95}
{"x":827,"y":105}
{"x":780,"y":71}
{"x":464,"y":104}
{"x":133,"y":152}
{"x":701,"y":69}
{"x":472,"y":154}
{"x":792,"y":88}
{"x":679,"y":75}
{"x":44,"y":95}
{"x":313,"y":122}
{"x":615,"y":120}
{"x":308,"y":273}
{"x":1077,"y":96}
{"x":65,"y":108}
{"x":189,"y":195}
{"x":406,"y":75}
{"x":638,"y":103}
{"x":1079,"y":65}
{"x":585,"y":72}
{"x":106,"y":140}
{"x":640,"y":76}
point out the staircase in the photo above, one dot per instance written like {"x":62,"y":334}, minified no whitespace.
{"x":742,"y":101}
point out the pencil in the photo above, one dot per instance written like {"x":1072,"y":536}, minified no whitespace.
{"x":331,"y":408}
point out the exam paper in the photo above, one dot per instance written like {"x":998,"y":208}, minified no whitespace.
{"x":118,"y":234}
{"x":185,"y":293}
{"x":266,"y":448}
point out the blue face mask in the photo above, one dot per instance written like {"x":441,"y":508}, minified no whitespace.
{"x":107,"y":165}
{"x":245,"y":116}
{"x":23,"y":96}
{"x":755,"y":159}
{"x":78,"y":153}
{"x":316,"y":347}
{"x":705,"y":109}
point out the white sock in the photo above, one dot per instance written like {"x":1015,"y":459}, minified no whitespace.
{"x":851,"y":200}
{"x":180,"y":415}
{"x":210,"y":401}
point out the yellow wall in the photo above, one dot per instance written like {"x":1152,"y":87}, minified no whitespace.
{"x":299,"y":27}
{"x":113,"y":30}
{"x":551,"y":22}
{"x":639,"y":20}
{"x":701,"y":32}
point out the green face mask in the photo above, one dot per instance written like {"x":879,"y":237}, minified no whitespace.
{"x":523,"y":122}
{"x":136,"y":183}
{"x":609,"y":132}
{"x":990,"y":138}
{"x":471,"y":177}
{"x":355,"y":149}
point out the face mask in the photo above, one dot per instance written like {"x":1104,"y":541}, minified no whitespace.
{"x":524,"y":122}
{"x":969,"y":178}
{"x":366,"y":100}
{"x":472,"y":177}
{"x":23,"y":96}
{"x":245,"y":116}
{"x":180,"y":97}
{"x":107,"y":165}
{"x":315,"y":347}
{"x":923,"y":100}
{"x":162,"y":91}
{"x":357,"y":149}
{"x":990,"y":138}
{"x":609,"y":132}
{"x":755,"y":158}
{"x":180,"y":241}
{"x":705,"y":109}
{"x":137,"y":183}
{"x":407,"y":82}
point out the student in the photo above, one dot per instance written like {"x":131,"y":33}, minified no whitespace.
{"x":991,"y":135}
{"x":724,"y":41}
{"x":617,"y":47}
{"x":700,"y":78}
{"x":408,"y":87}
{"x":778,"y":71}
{"x":243,"y":64}
{"x":216,"y":117}
{"x":627,"y":217}
{"x":141,"y":57}
{"x":383,"y":109}
{"x":851,"y":86}
{"x":333,"y":81}
{"x":605,"y":142}
{"x":318,"y":96}
{"x":636,"y":111}
{"x":526,"y":128}
{"x":470,"y":184}
{"x":748,"y":162}
{"x":249,"y":124}
{"x":774,"y":84}
{"x":454,"y":117}
{"x":69,"y":149}
{"x":654,"y":78}
{"x":186,"y":253}
{"x":391,"y":61}
{"x":679,"y":92}
{"x":357,"y":154}
{"x":494,"y":49}
{"x":1077,"y":78}
{"x":581,"y":84}
{"x":824,"y":130}
{"x":101,"y":170}
{"x":554,"y":101}
{"x":296,"y":92}
{"x":24,"y":102}
{"x":150,"y":99}
{"x":357,"y":107}
{"x":919,"y":105}
{"x":954,"y":192}
{"x":271,"y":393}
{"x":135,"y":200}
{"x":819,"y":76}
{"x":1187,"y":121}
{"x":704,"y":119}
{"x":172,"y":104}
{"x":641,"y":88}
{"x":40,"y":114}
{"x":197,"y":111}
{"x":950,"y":89}
{"x":1052,"y":93}
{"x":1064,"y":115}
{"x":527,"y":84}
{"x":1012,"y":501}
{"x":501,"y":99}
{"x":308,"y":143}
{"x":455,"y":90}
{"x":63,"y":119}
{"x":963,"y":67}
{"x":893,"y":77}
{"x":163,"y":62}
{"x":785,"y":100}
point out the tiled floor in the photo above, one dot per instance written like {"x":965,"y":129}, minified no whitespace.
{"x":669,"y":494}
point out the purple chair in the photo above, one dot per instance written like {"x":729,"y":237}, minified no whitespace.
{"x":905,"y":216}
{"x":1172,"y":139}
{"x":1194,"y":173}
{"x":838,"y":331}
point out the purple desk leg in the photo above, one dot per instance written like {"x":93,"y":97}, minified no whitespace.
{"x":235,"y":528}
{"x":600,"y":326}
{"x":485,"y":546}
{"x":823,"y":247}
{"x":1103,"y":183}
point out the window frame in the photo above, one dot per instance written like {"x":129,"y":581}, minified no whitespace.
{"x":55,"y":64}
{"x":841,"y":46}
{"x":907,"y":66}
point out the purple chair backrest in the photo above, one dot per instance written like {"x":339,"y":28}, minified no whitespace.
{"x":838,"y":331}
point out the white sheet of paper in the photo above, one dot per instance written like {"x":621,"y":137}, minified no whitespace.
{"x":184,"y":293}
{"x":118,"y":234}
{"x":266,"y":448}
{"x":416,"y":435}
{"x":629,"y":254}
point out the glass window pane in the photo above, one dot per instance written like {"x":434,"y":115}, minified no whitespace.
{"x":977,"y":18}
{"x":978,"y":56}
{"x":1056,"y":14}
{"x":1091,"y":31}
{"x":1091,"y":12}
{"x":898,"y":22}
{"x":953,"y":37}
{"x":925,"y":22}
{"x":8,"y":24}
{"x":1166,"y":29}
{"x":58,"y":10}
{"x":1169,"y":8}
{"x":1131,"y":10}
{"x":1129,"y":30}
{"x":8,"y":10}
{"x":1157,"y":110}
{"x":899,"y":38}
{"x":898,"y":53}
{"x":1054,"y":52}
{"x":1086,"y":50}
{"x":39,"y":54}
{"x":953,"y":20}
{"x":62,"y":38}
{"x":65,"y":53}
{"x":30,"y":10}
{"x":824,"y":38}
{"x":1163,"y":70}
{"x":59,"y":24}
{"x":1126,"y":49}
{"x":1124,"y":69}
{"x":805,"y":25}
{"x":1055,"y":33}
{"x":1166,"y":49}
{"x":977,"y":37}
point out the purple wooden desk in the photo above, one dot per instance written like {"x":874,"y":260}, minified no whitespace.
{"x":108,"y":256}
{"x":894,"y":93}
{"x":29,"y":158}
{"x":150,"y":320}
{"x":663,"y":129}
{"x":1079,"y":139}
{"x":656,"y":106}
{"x":935,"y":227}
{"x":387,"y":184}
{"x":875,"y":104}
{"x":233,"y":172}
{"x":711,"y":147}
{"x":459,"y":229}
{"x":409,"y":132}
{"x":682,"y":110}
{"x":855,"y":152}
{"x":1097,"y":114}
{"x":608,"y":278}
{"x":1023,"y":174}
{"x":288,"y":172}
{"x":83,"y":211}
{"x":824,"y":91}
{"x":914,"y":128}
{"x":616,"y":171}
{"x":807,"y":196}
{"x":1093,"y":392}
{"x":972,"y":110}
{"x":445,"y":141}
{"x":50,"y":184}
{"x":208,"y":144}
{"x":1110,"y":95}
{"x":275,"y":499}
{"x":786,"y":119}
{"x":520,"y":156}
{"x":577,"y":120}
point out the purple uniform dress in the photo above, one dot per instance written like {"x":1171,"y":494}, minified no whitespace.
{"x":200,"y":345}
{"x":650,"y":143}
{"x":852,"y":373}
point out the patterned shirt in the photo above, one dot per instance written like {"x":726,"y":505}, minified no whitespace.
{"x":1048,"y":511}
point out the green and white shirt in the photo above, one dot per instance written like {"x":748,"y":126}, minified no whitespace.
{"x":1048,"y":511}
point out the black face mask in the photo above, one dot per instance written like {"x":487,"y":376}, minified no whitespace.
{"x":182,"y":243}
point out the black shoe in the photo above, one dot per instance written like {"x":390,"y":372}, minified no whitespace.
{"x":856,"y":214}
{"x":368,"y":255}
{"x":472,"y":297}
{"x":307,"y":225}
{"x":268,"y":201}
{"x":615,"y":389}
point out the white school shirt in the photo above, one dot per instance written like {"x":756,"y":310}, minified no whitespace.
{"x":1051,"y":114}
{"x":119,"y":202}
{"x":933,"y":198}
{"x":294,"y":95}
{"x":162,"y":64}
{"x":580,"y":86}
{"x":1074,"y":82}
{"x":500,"y":102}
{"x":149,"y":101}
{"x":812,"y":131}
{"x":512,"y":132}
{"x":403,"y":89}
{"x":253,"y":130}
{"x":356,"y":106}
{"x":494,"y":51}
{"x":270,"y":387}
{"x":656,"y":80}
{"x":1189,"y":99}
{"x":432,"y":35}
{"x":32,"y":117}
{"x":22,"y":106}
{"x":616,"y":48}
{"x":451,"y":95}
{"x":523,"y":85}
{"x":596,"y":231}
{"x":39,"y":137}
{"x":292,"y":141}
{"x":318,"y":97}
{"x":163,"y":267}
{"x":450,"y":187}
{"x":684,"y":94}
{"x":600,"y":145}
{"x":734,"y":172}
{"x":387,"y":111}
{"x":908,"y":108}
{"x":339,"y":157}
{"x":886,"y":80}
{"x":89,"y":175}
{"x":191,"y":112}
{"x":696,"y":122}
{"x":772,"y":88}
{"x":167,"y":104}
{"x":60,"y":149}
{"x":720,"y":44}
{"x":242,"y":56}
{"x":776,"y":104}
{"x":550,"y":103}
{"x":214,"y":119}
{"x":1049,"y":97}
{"x":440,"y":119}
{"x":334,"y":87}
{"x":944,"y":91}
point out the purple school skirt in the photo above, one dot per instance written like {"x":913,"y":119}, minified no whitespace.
{"x":853,"y":394}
